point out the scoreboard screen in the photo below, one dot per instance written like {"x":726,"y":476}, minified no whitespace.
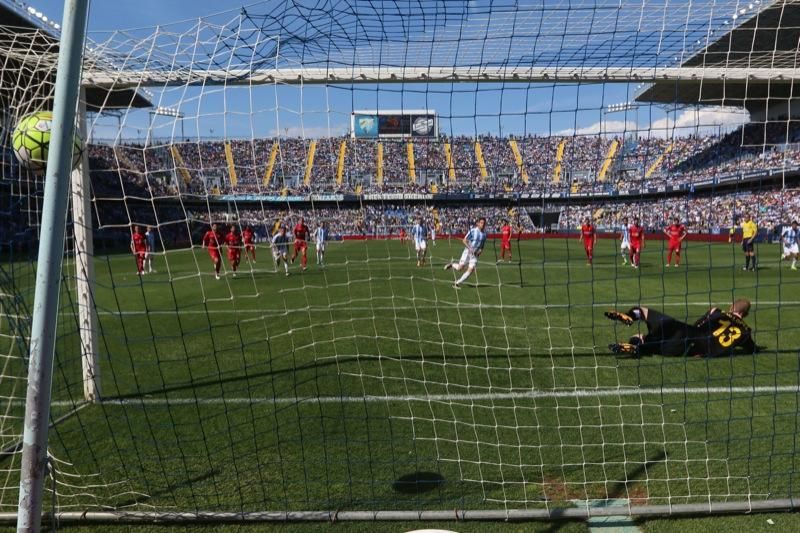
{"x":373,"y":124}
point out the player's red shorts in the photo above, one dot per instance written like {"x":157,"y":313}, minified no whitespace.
{"x":636,"y":248}
{"x":300,"y":245}
{"x":674,"y":246}
{"x":233,"y":255}
{"x":505,"y":245}
{"x":214,"y":254}
{"x":249,"y":247}
{"x":588,"y":244}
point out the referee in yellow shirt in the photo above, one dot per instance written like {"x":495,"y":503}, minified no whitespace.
{"x":749,"y":232}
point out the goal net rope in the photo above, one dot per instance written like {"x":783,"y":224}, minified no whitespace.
{"x":345,"y":368}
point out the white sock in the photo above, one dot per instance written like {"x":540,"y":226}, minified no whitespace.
{"x":464,"y":276}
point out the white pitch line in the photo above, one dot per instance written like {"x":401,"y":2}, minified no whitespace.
{"x":406,"y":264}
{"x":528,"y":395}
{"x":337,"y":308}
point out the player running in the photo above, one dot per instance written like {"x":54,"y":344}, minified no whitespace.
{"x":234,"y":243}
{"x":589,"y":237}
{"x":790,"y":237}
{"x":301,"y":235}
{"x":749,"y":232}
{"x":138,"y":249}
{"x":212,"y":240}
{"x":280,"y":249}
{"x":505,"y":241}
{"x":249,"y":244}
{"x":321,"y":239}
{"x":715,"y":334}
{"x":676,"y":233}
{"x":473,"y":241}
{"x":419,"y":232}
{"x":150,"y":237}
{"x":636,"y":232}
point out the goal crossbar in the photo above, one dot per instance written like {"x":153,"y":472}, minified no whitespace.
{"x":580,"y":511}
{"x":382,"y":74}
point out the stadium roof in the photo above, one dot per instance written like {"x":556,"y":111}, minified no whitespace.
{"x":394,"y":41}
{"x":768,"y":40}
{"x":35,"y":31}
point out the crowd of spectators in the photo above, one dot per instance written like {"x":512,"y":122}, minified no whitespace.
{"x":371,"y":220}
{"x":637,"y":164}
{"x":127,"y":178}
{"x":700,"y":215}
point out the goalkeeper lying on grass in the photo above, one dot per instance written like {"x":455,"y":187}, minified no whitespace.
{"x":715,"y":334}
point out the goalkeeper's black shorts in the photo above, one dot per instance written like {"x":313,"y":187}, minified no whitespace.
{"x":666,"y":336}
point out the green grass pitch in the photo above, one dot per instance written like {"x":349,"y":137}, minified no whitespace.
{"x":321,"y":390}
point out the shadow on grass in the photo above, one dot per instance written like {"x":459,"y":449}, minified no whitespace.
{"x":626,"y":489}
{"x":168,"y":490}
{"x":418,"y":482}
{"x":339,"y":361}
{"x":316,"y":365}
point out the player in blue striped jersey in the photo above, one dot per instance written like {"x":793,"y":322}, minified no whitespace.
{"x":320,"y":239}
{"x":473,"y":241}
{"x":150,"y":238}
{"x":625,"y":237}
{"x":280,"y":249}
{"x":419,"y":232}
{"x":790,"y":237}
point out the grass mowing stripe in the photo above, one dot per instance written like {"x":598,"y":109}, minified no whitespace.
{"x":578,"y":393}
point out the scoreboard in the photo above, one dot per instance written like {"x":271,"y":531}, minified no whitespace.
{"x":405,"y":123}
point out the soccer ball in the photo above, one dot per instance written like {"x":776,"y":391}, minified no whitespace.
{"x":31,"y":141}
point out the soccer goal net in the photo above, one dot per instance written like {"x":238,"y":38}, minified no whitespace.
{"x":333,"y":259}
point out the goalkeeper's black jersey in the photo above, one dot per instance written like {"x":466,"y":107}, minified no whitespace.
{"x":719,"y":333}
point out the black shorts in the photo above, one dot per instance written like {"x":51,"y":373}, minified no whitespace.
{"x":747,"y":246}
{"x":666,"y":336}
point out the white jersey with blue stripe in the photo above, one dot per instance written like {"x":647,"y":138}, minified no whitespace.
{"x":280,"y":243}
{"x":476,"y":239}
{"x":151,"y":240}
{"x":791,"y":236}
{"x":419,"y":232}
{"x":626,"y":235}
{"x":321,"y":235}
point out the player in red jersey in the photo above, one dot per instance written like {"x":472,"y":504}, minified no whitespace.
{"x":402,"y":235}
{"x":505,"y":241}
{"x":249,"y":245}
{"x":676,"y":233}
{"x":301,"y":235}
{"x":139,"y":248}
{"x":589,"y":238}
{"x":234,"y":243}
{"x":636,"y":232}
{"x":212,"y":240}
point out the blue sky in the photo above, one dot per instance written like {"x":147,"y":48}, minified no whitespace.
{"x":586,"y":32}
